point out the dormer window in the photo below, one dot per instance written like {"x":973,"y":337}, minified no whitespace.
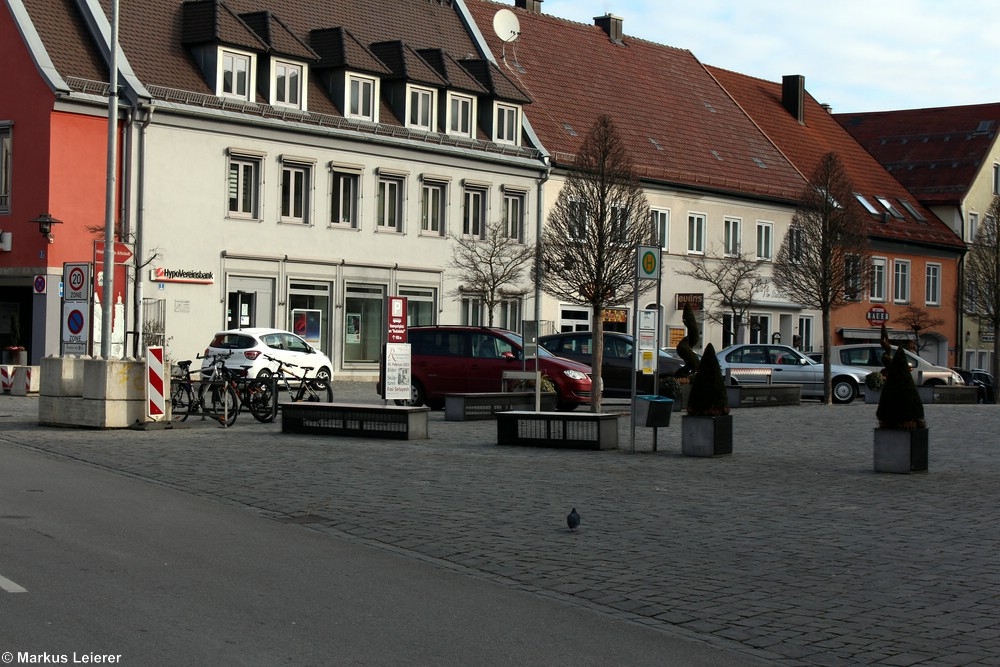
{"x":236,"y":76}
{"x":361,"y":98}
{"x":288,"y":84}
{"x":507,"y":124}
{"x":461,"y":111}
{"x":421,"y":113}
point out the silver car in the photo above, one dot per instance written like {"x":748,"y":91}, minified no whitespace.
{"x":789,"y":366}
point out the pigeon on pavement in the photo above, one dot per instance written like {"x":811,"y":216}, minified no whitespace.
{"x":573,"y":519}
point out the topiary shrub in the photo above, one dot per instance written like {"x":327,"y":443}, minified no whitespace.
{"x":708,"y":390}
{"x":670,"y":387}
{"x":900,"y":407}
{"x":875,"y":380}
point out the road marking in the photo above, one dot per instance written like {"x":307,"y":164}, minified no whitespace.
{"x":10,"y":586}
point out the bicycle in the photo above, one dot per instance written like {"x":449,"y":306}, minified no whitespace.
{"x":223,"y":402}
{"x":263,"y":392}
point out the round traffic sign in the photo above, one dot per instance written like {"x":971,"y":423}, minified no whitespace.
{"x":39,"y":284}
{"x":76,"y":279}
{"x":648,"y":262}
{"x":74,"y":322}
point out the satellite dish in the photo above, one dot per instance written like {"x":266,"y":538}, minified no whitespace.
{"x":506,"y":25}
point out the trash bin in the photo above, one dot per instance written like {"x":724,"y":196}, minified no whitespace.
{"x":653,"y":410}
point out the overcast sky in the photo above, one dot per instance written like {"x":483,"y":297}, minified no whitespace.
{"x":871,"y":55}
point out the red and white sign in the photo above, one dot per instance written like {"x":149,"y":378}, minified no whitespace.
{"x":123,"y":252}
{"x":76,"y":279}
{"x":154,"y":383}
{"x":877,"y":316}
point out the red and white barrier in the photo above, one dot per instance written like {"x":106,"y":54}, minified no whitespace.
{"x":6,"y":378}
{"x":154,"y":383}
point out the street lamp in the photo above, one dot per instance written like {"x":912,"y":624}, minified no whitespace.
{"x":45,"y":222}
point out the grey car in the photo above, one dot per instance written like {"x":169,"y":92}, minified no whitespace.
{"x":789,"y":366}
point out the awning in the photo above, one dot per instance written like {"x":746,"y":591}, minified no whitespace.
{"x":873,"y":333}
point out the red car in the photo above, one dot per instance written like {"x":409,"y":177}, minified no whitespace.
{"x":465,"y":360}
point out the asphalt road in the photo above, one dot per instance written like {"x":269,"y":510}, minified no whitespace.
{"x":792,"y":550}
{"x":98,"y":565}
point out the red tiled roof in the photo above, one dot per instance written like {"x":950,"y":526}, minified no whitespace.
{"x":806,"y":143}
{"x":150,"y":35}
{"x":680,"y":126}
{"x":935,"y":153}
{"x":278,"y":37}
{"x":405,"y":63}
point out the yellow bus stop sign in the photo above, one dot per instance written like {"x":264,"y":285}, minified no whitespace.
{"x":649,"y":263}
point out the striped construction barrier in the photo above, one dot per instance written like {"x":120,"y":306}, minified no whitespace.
{"x":20,"y":384}
{"x":156,"y":404}
{"x":6,"y":378}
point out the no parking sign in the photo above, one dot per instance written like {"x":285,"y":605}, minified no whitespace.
{"x":76,"y":327}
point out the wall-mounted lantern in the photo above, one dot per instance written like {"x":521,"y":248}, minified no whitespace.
{"x":45,"y":222}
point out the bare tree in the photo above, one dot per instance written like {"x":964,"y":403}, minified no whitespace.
{"x":917,"y":320}
{"x":736,"y":279}
{"x":825,"y":259}
{"x":982,"y":279}
{"x":492,"y":266}
{"x":587,"y":253}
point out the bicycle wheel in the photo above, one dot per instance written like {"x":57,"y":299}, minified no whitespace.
{"x":225,"y":404}
{"x":181,"y":398}
{"x":197,"y":404}
{"x":317,"y":391}
{"x":260,"y":400}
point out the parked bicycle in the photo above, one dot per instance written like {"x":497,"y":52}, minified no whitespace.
{"x":213,"y":397}
{"x":262,"y":393}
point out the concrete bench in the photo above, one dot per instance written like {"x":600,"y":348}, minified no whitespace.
{"x":948,"y":393}
{"x":570,"y":430}
{"x":397,"y":422}
{"x":764,"y":395}
{"x":467,"y":407}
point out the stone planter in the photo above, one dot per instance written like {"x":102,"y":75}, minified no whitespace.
{"x":901,"y":451}
{"x":872,"y":395}
{"x":706,"y":436}
{"x":15,"y":357}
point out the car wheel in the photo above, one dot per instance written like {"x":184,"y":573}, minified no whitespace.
{"x":844,"y":390}
{"x":264,"y":374}
{"x":324,"y":374}
{"x":417,"y":395}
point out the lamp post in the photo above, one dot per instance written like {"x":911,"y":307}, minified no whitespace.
{"x":45,"y":222}
{"x":108,"y":295}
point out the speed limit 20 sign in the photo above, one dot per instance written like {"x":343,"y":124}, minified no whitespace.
{"x":76,"y":282}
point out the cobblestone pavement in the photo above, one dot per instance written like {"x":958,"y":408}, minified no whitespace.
{"x":792,"y":549}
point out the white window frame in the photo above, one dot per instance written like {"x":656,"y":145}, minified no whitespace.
{"x":345,"y":193}
{"x":795,"y":238}
{"x":901,"y":281}
{"x":295,"y":191}
{"x":391,"y":203}
{"x":474,"y":211}
{"x":507,"y":124}
{"x":249,"y":169}
{"x":460,"y":118}
{"x":876,"y":290}
{"x":932,"y":284}
{"x":288,"y":84}
{"x":509,"y":316}
{"x":852,"y":278}
{"x":765,"y":240}
{"x":472,"y":310}
{"x":229,"y":60}
{"x":731,"y":240}
{"x":579,"y":221}
{"x":433,"y":207}
{"x":617,"y":225}
{"x":996,"y":178}
{"x":361,"y":97}
{"x":421,"y":108}
{"x":696,"y":233}
{"x":660,"y":218}
{"x":6,"y":165}
{"x":973,"y":227}
{"x":867,"y":204}
{"x":806,"y":333}
{"x":514,"y":207}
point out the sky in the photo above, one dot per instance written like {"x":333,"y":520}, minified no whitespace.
{"x":872,"y":55}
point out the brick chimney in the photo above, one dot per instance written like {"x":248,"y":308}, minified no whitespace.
{"x":793,"y":96}
{"x":533,"y":6}
{"x":612,"y":25}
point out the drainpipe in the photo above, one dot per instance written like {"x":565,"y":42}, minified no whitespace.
{"x":140,"y":205}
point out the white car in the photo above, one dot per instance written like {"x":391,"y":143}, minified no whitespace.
{"x":789,"y":366}
{"x":251,"y":347}
{"x":869,"y":356}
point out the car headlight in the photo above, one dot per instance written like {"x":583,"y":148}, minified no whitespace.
{"x":957,"y":379}
{"x":575,"y":375}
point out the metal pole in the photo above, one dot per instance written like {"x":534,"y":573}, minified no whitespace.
{"x":635,"y":352}
{"x":108,"y":306}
